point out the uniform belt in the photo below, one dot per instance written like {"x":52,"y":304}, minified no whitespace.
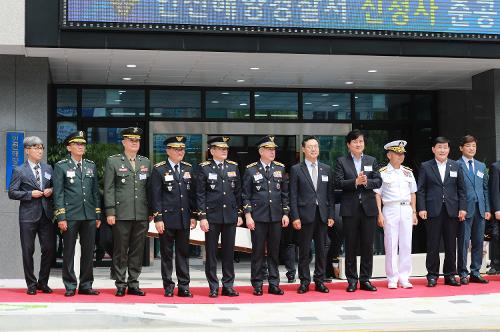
{"x":397,"y":203}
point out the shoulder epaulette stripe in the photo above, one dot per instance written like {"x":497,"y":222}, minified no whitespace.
{"x":279,"y":164}
{"x":383,"y":169}
{"x":205,"y":163}
{"x":89,"y":161}
{"x":161,"y":163}
{"x":62,"y":161}
{"x":408,"y":168}
{"x":115,"y":155}
{"x":185,"y":163}
{"x":251,"y":165}
{"x":232,"y":162}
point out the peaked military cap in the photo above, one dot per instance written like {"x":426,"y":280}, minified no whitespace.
{"x":266,"y":142}
{"x":175,"y":142}
{"x":76,"y":137}
{"x":219,"y":141}
{"x":396,"y":146}
{"x":132,"y":132}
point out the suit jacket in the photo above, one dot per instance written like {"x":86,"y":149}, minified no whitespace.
{"x":218,"y":194}
{"x":345,"y":179}
{"x":432,"y":191}
{"x":303,"y":197}
{"x":476,"y":187}
{"x":22,"y":183}
{"x":173,"y":198}
{"x":265,"y":196}
{"x":494,"y":186}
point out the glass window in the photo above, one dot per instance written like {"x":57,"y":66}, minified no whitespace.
{"x":193,"y":148}
{"x":327,"y":106}
{"x":104,"y":135}
{"x":66,"y":102}
{"x":423,"y":107}
{"x":228,"y":104}
{"x":276,"y":105}
{"x":379,"y":106}
{"x":375,"y":141}
{"x":175,"y":103}
{"x":331,"y":147}
{"x":64,"y":128}
{"x":112,"y":103}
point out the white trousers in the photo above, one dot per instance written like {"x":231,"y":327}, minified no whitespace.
{"x":398,"y":228}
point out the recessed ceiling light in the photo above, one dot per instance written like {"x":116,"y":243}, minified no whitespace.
{"x":324,"y":95}
{"x":356,"y":97}
{"x":349,"y":82}
{"x":257,"y":95}
{"x":224,"y":93}
{"x":126,"y":78}
{"x":335,"y":105}
{"x":121,"y":91}
{"x":373,"y":71}
{"x":118,"y":100}
{"x":307,"y":103}
{"x":131,"y":66}
{"x":215,"y":101}
{"x":243,"y":104}
{"x":240,"y":81}
{"x":254,"y":68}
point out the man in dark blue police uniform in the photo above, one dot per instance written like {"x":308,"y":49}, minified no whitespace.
{"x":265,"y":199}
{"x":218,"y":194}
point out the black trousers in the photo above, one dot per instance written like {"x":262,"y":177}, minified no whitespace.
{"x":266,"y":234}
{"x":47,"y":239}
{"x":316,"y":231}
{"x":86,"y":229}
{"x":287,"y":250}
{"x":358,"y":231}
{"x":446,"y":227}
{"x":495,"y":243}
{"x":129,"y":237}
{"x":227,"y":233}
{"x":179,"y":237}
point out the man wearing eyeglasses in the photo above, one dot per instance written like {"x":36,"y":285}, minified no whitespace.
{"x":31,"y":184}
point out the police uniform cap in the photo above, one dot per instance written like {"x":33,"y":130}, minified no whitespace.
{"x":397,"y":146}
{"x":219,"y":141}
{"x":266,"y":142}
{"x":76,"y":137}
{"x":132,"y":132}
{"x":175,"y":142}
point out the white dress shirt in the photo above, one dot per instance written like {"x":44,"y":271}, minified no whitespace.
{"x":442,"y":168}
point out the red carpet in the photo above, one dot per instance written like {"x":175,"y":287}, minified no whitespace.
{"x":337,"y":293}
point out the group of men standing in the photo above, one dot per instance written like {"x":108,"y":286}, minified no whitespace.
{"x":450,"y":203}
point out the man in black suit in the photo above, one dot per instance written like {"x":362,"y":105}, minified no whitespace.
{"x":494,"y":191}
{"x":31,"y":184}
{"x":441,"y":202}
{"x":357,"y":175}
{"x":312,"y":211}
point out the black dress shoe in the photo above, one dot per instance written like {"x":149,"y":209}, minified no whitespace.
{"x":303,"y":288}
{"x":184,"y":293}
{"x":44,"y":288}
{"x":213,"y":293}
{"x":120,"y":292}
{"x":431,"y":283}
{"x":351,"y":287}
{"x":229,"y":291}
{"x":367,"y":286}
{"x":31,"y":291}
{"x":320,"y":287}
{"x":478,"y":280}
{"x":169,"y":292}
{"x":291,"y":278}
{"x":70,"y":292}
{"x":451,"y":281}
{"x":136,"y":291}
{"x":257,"y":291}
{"x":464,"y":281}
{"x":88,"y":291}
{"x":275,"y":290}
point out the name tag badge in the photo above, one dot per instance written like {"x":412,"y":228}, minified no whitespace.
{"x":70,"y":173}
{"x":212,"y":176}
{"x":186,"y":175}
{"x":480,"y":174}
{"x":231,"y":174}
{"x":277,"y":174}
{"x":48,"y":176}
{"x":142,"y":176}
{"x":169,"y":177}
{"x":324,"y":178}
{"x":453,"y":174}
{"x":368,"y":168}
{"x":258,"y":177}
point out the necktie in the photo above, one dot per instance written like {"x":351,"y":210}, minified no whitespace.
{"x":267,"y":171}
{"x":37,"y":176}
{"x":176,"y":171}
{"x":132,"y":163}
{"x":471,"y":170}
{"x":314,"y":176}
{"x":79,"y":168}
{"x":221,"y":167}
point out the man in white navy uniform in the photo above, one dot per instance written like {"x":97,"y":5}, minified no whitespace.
{"x":397,"y":195}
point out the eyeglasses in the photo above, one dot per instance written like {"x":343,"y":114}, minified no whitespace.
{"x":36,"y":147}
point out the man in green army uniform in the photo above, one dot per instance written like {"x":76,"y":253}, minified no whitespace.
{"x":126,"y":204}
{"x":77,"y":210}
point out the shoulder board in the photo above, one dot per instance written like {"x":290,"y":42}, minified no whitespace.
{"x":279,"y":164}
{"x":407,"y":168}
{"x":115,"y":155}
{"x":185,"y":163}
{"x":161,"y":163}
{"x":89,"y":161}
{"x":231,"y":162}
{"x":383,"y":169}
{"x":251,"y":165}
{"x":205,"y":163}
{"x":62,"y":161}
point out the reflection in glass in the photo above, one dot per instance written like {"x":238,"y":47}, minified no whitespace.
{"x":423,"y":107}
{"x":327,"y":106}
{"x":104,"y":135}
{"x":175,"y":103}
{"x":380,"y":106}
{"x":276,"y":105}
{"x":66,"y":102}
{"x":193,"y":148}
{"x":228,"y":104}
{"x":112,"y":102}
{"x":331,"y":147}
{"x":64,"y":128}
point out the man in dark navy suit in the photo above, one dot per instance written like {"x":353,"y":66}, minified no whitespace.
{"x":442,"y":204}
{"x":312,"y":212}
{"x":31,"y":184}
{"x":357,"y":175}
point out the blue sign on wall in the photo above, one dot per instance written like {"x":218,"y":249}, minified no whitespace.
{"x":433,"y":16}
{"x":14,"y":153}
